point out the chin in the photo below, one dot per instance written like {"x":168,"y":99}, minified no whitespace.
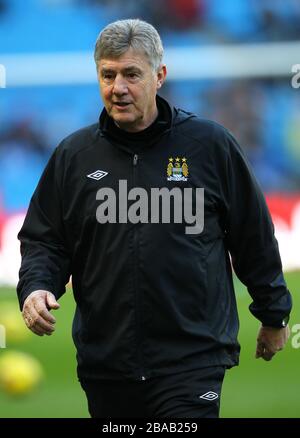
{"x":122,"y":119}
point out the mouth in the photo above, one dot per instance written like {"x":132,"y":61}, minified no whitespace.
{"x":121,"y":104}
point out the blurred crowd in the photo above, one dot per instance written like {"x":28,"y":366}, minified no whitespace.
{"x":208,"y":20}
{"x":264,"y":115}
{"x":233,"y":20}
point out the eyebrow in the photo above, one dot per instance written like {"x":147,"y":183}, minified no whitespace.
{"x":124,"y":70}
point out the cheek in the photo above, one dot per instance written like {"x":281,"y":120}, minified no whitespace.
{"x":151,"y":88}
{"x":145,"y":92}
{"x":105,"y":92}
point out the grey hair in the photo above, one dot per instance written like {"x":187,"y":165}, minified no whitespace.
{"x":116,"y":38}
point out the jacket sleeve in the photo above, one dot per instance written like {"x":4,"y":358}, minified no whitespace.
{"x":250,"y":238}
{"x":45,"y":258}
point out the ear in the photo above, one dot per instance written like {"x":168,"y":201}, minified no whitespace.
{"x":161,"y":76}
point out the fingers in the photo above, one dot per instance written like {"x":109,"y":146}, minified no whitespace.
{"x":42,"y":310}
{"x":37,"y":323}
{"x":270,"y":340}
{"x":264,"y":352}
{"x":267,"y":355}
{"x":51,"y":301}
{"x":36,"y":314}
{"x":30,"y":324}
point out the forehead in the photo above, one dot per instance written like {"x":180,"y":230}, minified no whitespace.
{"x":128,"y":59}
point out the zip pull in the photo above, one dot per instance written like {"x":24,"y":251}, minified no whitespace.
{"x":135,"y":159}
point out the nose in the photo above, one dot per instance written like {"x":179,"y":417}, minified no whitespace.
{"x":120,"y":86}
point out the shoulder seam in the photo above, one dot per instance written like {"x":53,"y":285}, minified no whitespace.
{"x":90,"y":144}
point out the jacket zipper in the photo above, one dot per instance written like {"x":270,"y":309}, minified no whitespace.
{"x":137,"y":295}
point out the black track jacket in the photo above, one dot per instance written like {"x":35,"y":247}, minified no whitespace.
{"x":151,"y":299}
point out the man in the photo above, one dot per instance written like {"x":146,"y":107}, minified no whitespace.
{"x":156,"y":321}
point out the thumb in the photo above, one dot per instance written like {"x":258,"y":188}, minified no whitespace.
{"x":258,"y":353}
{"x":51,"y":301}
{"x":259,"y":350}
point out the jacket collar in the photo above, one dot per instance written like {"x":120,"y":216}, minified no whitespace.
{"x":139,"y":140}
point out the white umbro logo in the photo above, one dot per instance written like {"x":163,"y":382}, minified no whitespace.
{"x":210,"y":395}
{"x":98,"y":174}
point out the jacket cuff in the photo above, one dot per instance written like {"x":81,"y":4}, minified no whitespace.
{"x":32,"y":288}
{"x":278,"y":324}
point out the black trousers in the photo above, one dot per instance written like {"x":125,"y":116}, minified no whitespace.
{"x":191,"y":394}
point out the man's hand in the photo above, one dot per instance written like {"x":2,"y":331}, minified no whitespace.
{"x":270,"y":340}
{"x":36,"y":312}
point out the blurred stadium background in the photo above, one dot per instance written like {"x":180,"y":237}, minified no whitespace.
{"x":229,"y":61}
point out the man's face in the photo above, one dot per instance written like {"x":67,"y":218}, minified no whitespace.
{"x":128,"y":87}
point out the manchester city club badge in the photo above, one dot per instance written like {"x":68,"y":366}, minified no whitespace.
{"x":177,"y":169}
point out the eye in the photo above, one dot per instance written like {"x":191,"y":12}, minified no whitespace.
{"x":107,"y":76}
{"x":132,"y":75}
